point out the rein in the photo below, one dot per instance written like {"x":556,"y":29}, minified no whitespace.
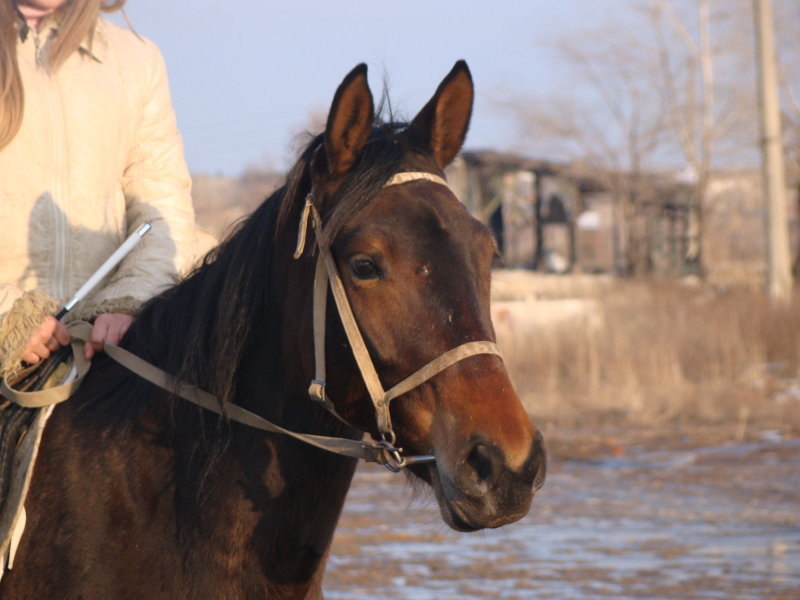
{"x":382,"y":452}
{"x":80,"y":332}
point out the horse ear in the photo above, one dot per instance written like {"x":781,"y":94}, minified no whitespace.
{"x":444,"y":120}
{"x":349,"y":121}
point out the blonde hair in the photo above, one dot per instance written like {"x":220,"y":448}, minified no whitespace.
{"x":77,"y":19}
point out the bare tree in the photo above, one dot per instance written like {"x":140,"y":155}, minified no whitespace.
{"x":611,"y":121}
{"x":686,"y":72}
{"x":669,"y":84}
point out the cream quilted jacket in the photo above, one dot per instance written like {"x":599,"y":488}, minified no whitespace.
{"x":98,"y":154}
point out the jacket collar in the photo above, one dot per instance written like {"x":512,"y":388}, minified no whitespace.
{"x":98,"y":47}
{"x":95,"y":46}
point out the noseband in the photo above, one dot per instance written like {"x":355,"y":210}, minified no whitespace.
{"x":327,"y":274}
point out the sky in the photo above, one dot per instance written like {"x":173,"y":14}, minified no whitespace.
{"x":246,"y":77}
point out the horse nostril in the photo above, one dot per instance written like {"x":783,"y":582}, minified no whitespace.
{"x":480,"y":459}
{"x":537,"y":462}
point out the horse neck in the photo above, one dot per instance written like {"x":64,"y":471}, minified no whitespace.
{"x":287,"y":494}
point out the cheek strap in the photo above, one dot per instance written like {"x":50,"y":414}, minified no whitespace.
{"x":326,"y":274}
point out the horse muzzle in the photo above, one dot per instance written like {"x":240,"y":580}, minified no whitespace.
{"x":481,"y":491}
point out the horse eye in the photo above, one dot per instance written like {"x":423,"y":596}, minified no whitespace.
{"x":364,"y":269}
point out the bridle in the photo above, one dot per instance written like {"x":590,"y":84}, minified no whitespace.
{"x":383,"y":451}
{"x":326,"y":273}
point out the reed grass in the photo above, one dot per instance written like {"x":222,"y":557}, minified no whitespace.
{"x":661,"y":352}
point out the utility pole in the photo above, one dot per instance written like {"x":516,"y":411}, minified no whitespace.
{"x":779,"y":270}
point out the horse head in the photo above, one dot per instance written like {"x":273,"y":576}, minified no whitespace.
{"x":415,"y":268}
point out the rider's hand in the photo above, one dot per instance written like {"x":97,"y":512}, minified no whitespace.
{"x":108,"y":327}
{"x":47,"y":338}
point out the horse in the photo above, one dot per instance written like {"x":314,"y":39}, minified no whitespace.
{"x":138,"y":493}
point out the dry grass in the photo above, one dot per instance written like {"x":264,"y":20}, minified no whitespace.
{"x":652,"y":352}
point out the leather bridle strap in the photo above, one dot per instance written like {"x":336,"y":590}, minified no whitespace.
{"x":79,"y":332}
{"x":326,"y":274}
{"x":368,"y":451}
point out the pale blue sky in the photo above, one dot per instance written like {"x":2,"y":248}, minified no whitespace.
{"x":245,"y":76}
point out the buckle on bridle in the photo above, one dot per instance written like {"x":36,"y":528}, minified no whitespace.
{"x":316,"y":391}
{"x":391,"y":456}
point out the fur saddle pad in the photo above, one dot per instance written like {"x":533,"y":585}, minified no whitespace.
{"x":21,"y":431}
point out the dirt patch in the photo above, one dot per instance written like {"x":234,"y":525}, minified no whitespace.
{"x":689,"y":513}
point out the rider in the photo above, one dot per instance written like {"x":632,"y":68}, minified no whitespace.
{"x":89,"y":150}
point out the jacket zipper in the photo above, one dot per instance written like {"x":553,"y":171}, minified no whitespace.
{"x":37,"y":49}
{"x":59,"y":209}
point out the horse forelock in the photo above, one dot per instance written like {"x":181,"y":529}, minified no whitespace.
{"x":380,"y":158}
